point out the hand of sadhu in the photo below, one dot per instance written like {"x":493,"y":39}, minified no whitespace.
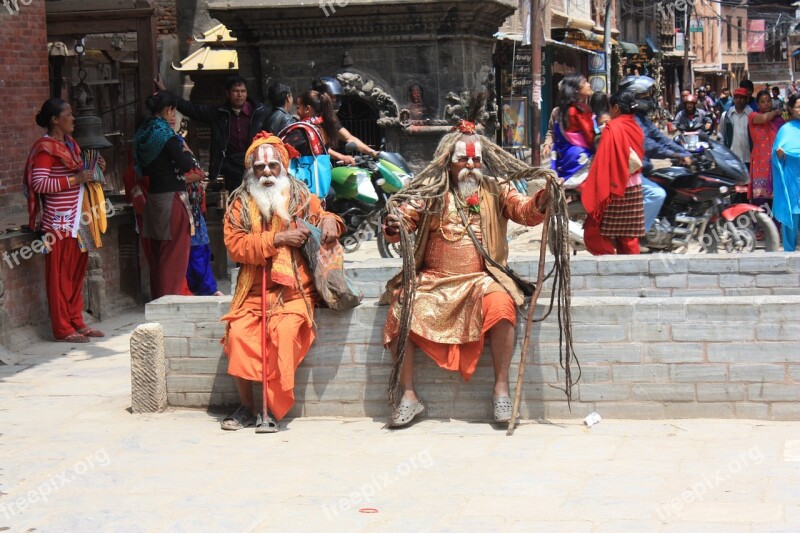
{"x":330,"y":231}
{"x":291,"y":237}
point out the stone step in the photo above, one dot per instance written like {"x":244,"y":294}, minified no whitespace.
{"x":654,"y":357}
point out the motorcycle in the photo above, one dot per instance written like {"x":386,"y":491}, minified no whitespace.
{"x":360,"y":193}
{"x":698,"y":207}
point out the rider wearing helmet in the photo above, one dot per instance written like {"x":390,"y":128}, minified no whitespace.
{"x":690,"y":118}
{"x":656,"y":144}
{"x":333,"y":89}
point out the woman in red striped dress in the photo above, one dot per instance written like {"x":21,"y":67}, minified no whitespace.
{"x":54,"y":178}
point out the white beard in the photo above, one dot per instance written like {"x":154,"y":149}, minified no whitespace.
{"x":469,"y":182}
{"x":272,"y":200}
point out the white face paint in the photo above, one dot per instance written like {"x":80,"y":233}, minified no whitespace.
{"x":467,"y":151}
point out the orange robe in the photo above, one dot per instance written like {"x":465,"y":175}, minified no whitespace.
{"x":290,"y":330}
{"x":457,"y":301}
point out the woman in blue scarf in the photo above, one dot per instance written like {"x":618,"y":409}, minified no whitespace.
{"x":159,"y":153}
{"x":786,"y":176}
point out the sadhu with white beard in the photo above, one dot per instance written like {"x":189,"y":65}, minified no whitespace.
{"x":262,"y":236}
{"x":460,"y":296}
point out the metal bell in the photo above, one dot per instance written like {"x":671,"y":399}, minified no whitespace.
{"x":88,"y":132}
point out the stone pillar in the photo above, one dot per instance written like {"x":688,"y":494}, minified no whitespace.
{"x":96,"y":287}
{"x":148,"y":369}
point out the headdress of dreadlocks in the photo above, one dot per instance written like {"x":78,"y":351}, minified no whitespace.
{"x":429,"y":188}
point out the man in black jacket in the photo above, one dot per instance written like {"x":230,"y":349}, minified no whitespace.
{"x":233,"y":126}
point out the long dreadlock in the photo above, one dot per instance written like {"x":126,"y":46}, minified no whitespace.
{"x":428,"y":189}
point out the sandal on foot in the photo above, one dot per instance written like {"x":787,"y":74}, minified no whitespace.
{"x":405,"y":413}
{"x":74,"y":337}
{"x":502,"y":408}
{"x":91,"y":332}
{"x":266,"y":426}
{"x":240,"y":419}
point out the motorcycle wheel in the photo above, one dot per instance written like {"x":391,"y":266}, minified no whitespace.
{"x":350,"y":244}
{"x":766,"y":232}
{"x":712,"y":244}
{"x":387,"y":249}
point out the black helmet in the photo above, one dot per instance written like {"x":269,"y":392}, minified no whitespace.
{"x":640,"y":86}
{"x":334,"y":87}
{"x":626,"y":100}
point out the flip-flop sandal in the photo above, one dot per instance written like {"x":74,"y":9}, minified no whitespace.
{"x":502,"y":408}
{"x":266,"y":426}
{"x":405,"y":413}
{"x":91,"y":332}
{"x":240,"y":419}
{"x":74,"y":337}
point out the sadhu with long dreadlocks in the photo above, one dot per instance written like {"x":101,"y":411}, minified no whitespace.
{"x":271,"y":314}
{"x":460,"y":290}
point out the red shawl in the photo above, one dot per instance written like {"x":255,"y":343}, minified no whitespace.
{"x":68,"y":154}
{"x":609,"y":173}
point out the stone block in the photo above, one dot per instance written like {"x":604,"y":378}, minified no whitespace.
{"x":200,"y":383}
{"x":713,"y":265}
{"x":663,"y":392}
{"x":753,"y":352}
{"x":371,"y":354}
{"x":599,"y":333}
{"x":793,"y":262}
{"x":780,"y":331}
{"x":684,"y":352}
{"x":148,"y":369}
{"x":596,"y":392}
{"x":720,"y":311}
{"x":777,"y":280}
{"x":763,"y":263}
{"x":794,"y":372}
{"x":752,"y":411}
{"x":609,"y":353}
{"x":601,"y":310}
{"x":196,"y":365}
{"x":630,"y":281}
{"x":584,"y":266}
{"x":785,"y":291}
{"x":721,"y":392}
{"x":204,"y":347}
{"x":210,"y":330}
{"x":326,"y":354}
{"x":698,"y":410}
{"x":779,"y":309}
{"x":697,"y":293}
{"x":188,"y":308}
{"x":176,"y":347}
{"x":331,"y":392}
{"x":639,"y":373}
{"x":713,"y":332}
{"x":662,"y":310}
{"x":622,"y":264}
{"x":758,"y":373}
{"x":747,"y":292}
{"x":785,"y":411}
{"x":738,"y":281}
{"x":703,"y":281}
{"x":564,"y":411}
{"x":176,"y":328}
{"x":647,"y":332}
{"x":668,"y":264}
{"x":774,"y":392}
{"x":589,"y":374}
{"x":691,"y":373}
{"x":632,"y":410}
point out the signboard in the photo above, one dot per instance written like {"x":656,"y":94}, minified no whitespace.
{"x":679,"y":41}
{"x":696,"y":26}
{"x":522,"y":78}
{"x":755,"y":35}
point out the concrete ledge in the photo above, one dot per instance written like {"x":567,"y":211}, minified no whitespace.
{"x":678,"y":357}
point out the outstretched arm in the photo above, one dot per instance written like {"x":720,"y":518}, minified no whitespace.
{"x":525,"y":210}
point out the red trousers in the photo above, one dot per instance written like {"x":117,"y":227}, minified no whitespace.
{"x":599,"y":244}
{"x":169,"y":259}
{"x":65,"y":268}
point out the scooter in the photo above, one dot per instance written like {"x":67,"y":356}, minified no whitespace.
{"x":698,"y":207}
{"x":360,"y":193}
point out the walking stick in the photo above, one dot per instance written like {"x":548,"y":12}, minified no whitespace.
{"x":264,"y":401}
{"x":531,"y":308}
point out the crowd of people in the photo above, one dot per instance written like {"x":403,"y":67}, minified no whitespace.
{"x":588,"y":158}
